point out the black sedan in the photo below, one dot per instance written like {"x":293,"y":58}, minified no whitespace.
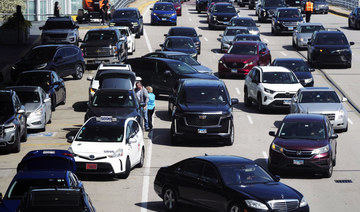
{"x":186,"y":31}
{"x":129,"y":17}
{"x":180,"y":44}
{"x":225,"y":183}
{"x":354,"y":18}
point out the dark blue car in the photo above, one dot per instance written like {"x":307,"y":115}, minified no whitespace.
{"x":180,"y":44}
{"x":221,"y":14}
{"x":163,"y":12}
{"x":285,"y":20}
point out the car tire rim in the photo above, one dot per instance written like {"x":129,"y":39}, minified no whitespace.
{"x":169,"y":199}
{"x":234,"y":208}
{"x":79,"y":72}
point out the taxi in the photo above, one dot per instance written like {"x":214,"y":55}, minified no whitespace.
{"x":108,"y":145}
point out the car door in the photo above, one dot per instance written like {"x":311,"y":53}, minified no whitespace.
{"x":254,"y":81}
{"x":352,"y":17}
{"x":71,"y":53}
{"x":165,"y":77}
{"x":131,"y":142}
{"x":146,"y":69}
{"x":294,"y":104}
{"x":332,"y":142}
{"x":58,"y":88}
{"x":60,"y":62}
{"x":46,"y":105}
{"x":264,"y":55}
{"x":20,"y":116}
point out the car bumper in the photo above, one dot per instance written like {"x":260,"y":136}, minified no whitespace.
{"x":280,"y":28}
{"x":103,"y":166}
{"x":68,"y":40}
{"x":302,"y":43}
{"x":35,"y":122}
{"x":333,"y":59}
{"x":99,"y":60}
{"x":7,"y":139}
{"x":222,"y":70}
{"x":156,"y":19}
{"x":219,"y":24}
{"x":202,"y":7}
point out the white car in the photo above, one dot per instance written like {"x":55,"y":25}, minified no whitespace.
{"x":108,"y":145}
{"x":124,"y":30}
{"x":270,"y":86}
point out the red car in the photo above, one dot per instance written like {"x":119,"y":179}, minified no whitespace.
{"x":177,"y":5}
{"x":242,"y":56}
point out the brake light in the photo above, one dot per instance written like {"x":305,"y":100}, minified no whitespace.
{"x":68,"y":154}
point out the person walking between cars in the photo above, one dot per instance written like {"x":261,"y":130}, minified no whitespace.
{"x":143,"y":97}
{"x":103,"y":11}
{"x":309,"y":7}
{"x":57,"y":9}
{"x":150,"y":106}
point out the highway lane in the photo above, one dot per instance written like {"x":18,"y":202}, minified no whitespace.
{"x":251,"y":128}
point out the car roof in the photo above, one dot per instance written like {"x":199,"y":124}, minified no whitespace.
{"x":95,"y":121}
{"x":246,"y":35}
{"x":316,"y":89}
{"x":287,"y":8}
{"x":225,"y":159}
{"x":328,"y":32}
{"x":247,"y":42}
{"x":294,"y":117}
{"x":111,"y":90}
{"x":236,"y":27}
{"x":40,"y":174}
{"x":181,"y":27}
{"x":223,"y":3}
{"x":195,"y":82}
{"x":24,"y":88}
{"x":243,"y":18}
{"x":114,"y":66}
{"x":274,"y":69}
{"x":289,"y":59}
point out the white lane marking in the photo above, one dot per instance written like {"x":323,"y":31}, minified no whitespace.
{"x":146,"y":36}
{"x":146,"y":179}
{"x":265,"y":157}
{"x":190,"y":19}
{"x":237,"y":91}
{"x":283,"y":53}
{"x":206,"y":39}
{"x":349,"y":120}
{"x":266,"y":40}
{"x":250,"y":119}
{"x":216,"y":53}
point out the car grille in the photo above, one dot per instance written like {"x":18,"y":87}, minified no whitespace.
{"x":97,"y":52}
{"x":101,"y":168}
{"x":330,"y":116}
{"x":298,"y":154}
{"x":57,"y":35}
{"x":284,"y":205}
{"x":235,"y":65}
{"x":202,"y":119}
{"x":164,"y":15}
{"x":289,"y":24}
{"x":123,"y":23}
{"x":88,"y":158}
{"x":223,"y":18}
{"x":284,"y":95}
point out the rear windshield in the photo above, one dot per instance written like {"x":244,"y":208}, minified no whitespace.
{"x":232,"y":32}
{"x":36,"y":79}
{"x":185,"y":58}
{"x":331,"y":39}
{"x":279,"y":78}
{"x":113,"y":100}
{"x":224,"y":9}
{"x":243,"y":49}
{"x":247,"y":38}
{"x":48,"y":163}
{"x":100,"y":36}
{"x":182,"y":68}
{"x":274,"y":3}
{"x":243,"y":22}
{"x":311,"y":29}
{"x":28,"y":97}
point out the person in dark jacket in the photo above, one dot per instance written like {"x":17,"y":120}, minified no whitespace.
{"x":57,"y":9}
{"x":143,"y":97}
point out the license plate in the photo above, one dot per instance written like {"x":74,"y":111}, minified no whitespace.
{"x":286,"y":102}
{"x":291,"y":28}
{"x":298,"y":162}
{"x":91,"y":166}
{"x":226,"y":22}
{"x":233,"y":70}
{"x":297,"y":2}
{"x":202,"y":131}
{"x":164,"y":19}
{"x":97,"y":61}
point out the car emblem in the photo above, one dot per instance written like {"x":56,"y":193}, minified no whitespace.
{"x":98,"y":51}
{"x":202,"y":117}
{"x":287,"y":93}
{"x":234,"y":64}
{"x":298,"y":152}
{"x":92,"y":156}
{"x":282,"y":196}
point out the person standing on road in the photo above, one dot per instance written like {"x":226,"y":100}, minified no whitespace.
{"x":143,"y":97}
{"x":309,"y":8}
{"x":103,"y":11}
{"x":57,"y":9}
{"x":150,"y":105}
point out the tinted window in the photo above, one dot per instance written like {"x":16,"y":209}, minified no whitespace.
{"x":172,"y":1}
{"x":210,"y":174}
{"x":183,"y":32}
{"x":182,"y":68}
{"x":6,"y":105}
{"x":113,"y":100}
{"x":41,"y":54}
{"x":182,"y":43}
{"x":289,"y":14}
{"x":230,"y":32}
{"x":100,"y":133}
{"x":274,"y":3}
{"x":51,"y":24}
{"x":72,"y":52}
{"x":279,"y":78}
{"x":100,"y":35}
{"x":240,"y":174}
{"x":165,"y":7}
{"x":203,"y":95}
{"x":193,"y":169}
{"x":302,"y":130}
{"x":41,"y":79}
{"x":245,"y":38}
{"x":125,"y":14}
{"x":319,"y":97}
{"x":185,"y":58}
{"x":311,"y":29}
{"x":224,"y":9}
{"x":243,"y":49}
{"x":48,"y":163}
{"x":28,"y":97}
{"x":243,"y":22}
{"x":295,"y":66}
{"x":331,"y":39}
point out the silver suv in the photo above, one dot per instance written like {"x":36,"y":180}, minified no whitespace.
{"x":60,"y":30}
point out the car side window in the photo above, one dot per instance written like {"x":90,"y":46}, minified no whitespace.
{"x":251,"y":73}
{"x":257,"y":75}
{"x":54,"y":78}
{"x":210,"y":174}
{"x":128,"y":130}
{"x":73,"y":181}
{"x":134,"y":129}
{"x":162,"y":67}
{"x":71,"y":52}
{"x":60,"y":52}
{"x":193,"y":169}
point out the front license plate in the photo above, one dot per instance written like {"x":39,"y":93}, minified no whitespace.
{"x":164,"y":19}
{"x":91,"y":166}
{"x":286,"y":102}
{"x":298,"y":162}
{"x":202,"y":131}
{"x":226,"y":22}
{"x":291,"y":28}
{"x":97,"y":61}
{"x":233,"y":70}
{"x":297,"y":2}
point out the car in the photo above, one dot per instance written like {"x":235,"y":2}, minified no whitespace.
{"x":285,"y":20}
{"x":242,"y":57}
{"x":329,"y":48}
{"x":303,"y":33}
{"x":304,"y":142}
{"x":37,"y":106}
{"x":129,"y":37}
{"x":117,"y":79}
{"x":208,"y":13}
{"x":300,"y":68}
{"x":177,"y":5}
{"x":56,"y":199}
{"x":65,"y":60}
{"x":354,"y":18}
{"x":270,"y":87}
{"x":186,"y":31}
{"x":324,"y":101}
{"x":163,"y":12}
{"x":108,"y":145}
{"x":49,"y":81}
{"x":247,"y":22}
{"x":229,"y":34}
{"x":104,"y":45}
{"x":163,"y":74}
{"x":60,"y":30}
{"x":220,"y":15}
{"x":251,"y":3}
{"x":180,"y":44}
{"x":13,"y":128}
{"x":202,"y":109}
{"x":245,"y":37}
{"x":24,"y":180}
{"x":320,"y":6}
{"x":201,"y":5}
{"x":47,"y":160}
{"x":294,"y":3}
{"x":266,"y":9}
{"x":129,"y":17}
{"x":225,"y":183}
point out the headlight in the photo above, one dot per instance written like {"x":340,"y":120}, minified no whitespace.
{"x":10,"y":127}
{"x":41,"y":66}
{"x":269,"y":91}
{"x":277,"y":148}
{"x":193,"y":55}
{"x":173,"y":14}
{"x":341,"y":114}
{"x":116,"y":154}
{"x":249,"y":64}
{"x":13,"y":67}
{"x":221,"y":62}
{"x":178,"y":8}
{"x":135,"y":23}
{"x":197,"y":43}
{"x":308,"y":80}
{"x":303,"y":202}
{"x":301,"y":39}
{"x":155,"y":14}
{"x":321,"y":150}
{"x":278,"y":22}
{"x":255,"y":204}
{"x":214,"y":17}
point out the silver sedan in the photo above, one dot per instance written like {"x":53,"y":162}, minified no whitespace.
{"x":303,"y":33}
{"x":321,"y":100}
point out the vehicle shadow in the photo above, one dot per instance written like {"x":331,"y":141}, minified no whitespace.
{"x":288,"y":47}
{"x":216,"y":51}
{"x":192,"y":12}
{"x":202,"y":16}
{"x":203,"y":22}
{"x":158,"y":206}
{"x":80,"y":106}
{"x":253,"y":109}
{"x":163,"y":115}
{"x":266,"y":33}
{"x":207,"y":29}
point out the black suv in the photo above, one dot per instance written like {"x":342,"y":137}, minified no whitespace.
{"x":329,"y":48}
{"x":186,"y":31}
{"x":65,"y":60}
{"x":251,"y":3}
{"x":13,"y":128}
{"x":60,"y":30}
{"x":201,"y":5}
{"x":354,"y":18}
{"x":285,"y":20}
{"x":163,"y":74}
{"x":266,"y":9}
{"x":202,"y":109}
{"x":220,"y":15}
{"x":104,"y":45}
{"x":129,"y":17}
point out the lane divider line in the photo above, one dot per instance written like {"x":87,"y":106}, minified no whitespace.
{"x":146,"y":179}
{"x":266,"y":40}
{"x":349,"y":120}
{"x":283,"y":53}
{"x":237,"y":91}
{"x":206,"y":39}
{"x":147,"y":38}
{"x":250,"y":119}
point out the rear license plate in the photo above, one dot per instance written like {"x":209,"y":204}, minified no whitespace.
{"x":91,"y":166}
{"x":233,"y":70}
{"x":164,"y":19}
{"x":226,"y":22}
{"x":202,"y":131}
{"x":298,"y":162}
{"x":297,"y":2}
{"x":291,"y":28}
{"x":287,"y":102}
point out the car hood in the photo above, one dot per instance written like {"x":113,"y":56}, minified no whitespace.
{"x":4,"y":119}
{"x":204,"y":108}
{"x":303,"y":75}
{"x":283,"y":87}
{"x":267,"y":191}
{"x":9,"y":205}
{"x":98,"y":43}
{"x":31,"y":107}
{"x":238,"y":58}
{"x":94,"y":148}
{"x":58,"y":31}
{"x":164,"y":12}
{"x":319,"y":108}
{"x":300,"y":144}
{"x":290,"y":19}
{"x":184,"y":50}
{"x":199,"y":75}
{"x":228,"y":15}
{"x":203,"y":69}
{"x":122,"y":112}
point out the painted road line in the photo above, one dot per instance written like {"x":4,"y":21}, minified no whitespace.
{"x":349,"y":120}
{"x":250,"y":119}
{"x":237,"y":91}
{"x":190,"y":19}
{"x":206,"y":39}
{"x":147,"y":38}
{"x":283,"y":53}
{"x":266,"y":40}
{"x":265,"y":157}
{"x":146,"y":179}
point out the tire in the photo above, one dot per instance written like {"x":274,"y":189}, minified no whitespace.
{"x":142,"y":30}
{"x":247,"y":101}
{"x":251,"y":7}
{"x":64,"y":100}
{"x":50,"y":118}
{"x":329,"y":171}
{"x":230,"y":140}
{"x":293,"y":44}
{"x":79,"y":72}
{"x":260,"y":105}
{"x":170,"y":199}
{"x":234,"y":208}
{"x":349,"y":24}
{"x":198,"y":11}
{"x":345,"y":129}
{"x":53,"y":103}
{"x":137,"y":35}
{"x":24,"y":136}
{"x":221,"y":76}
{"x":16,"y":146}
{"x":127,"y":169}
{"x":174,"y":140}
{"x":44,"y":128}
{"x":142,"y":159}
{"x":211,"y":27}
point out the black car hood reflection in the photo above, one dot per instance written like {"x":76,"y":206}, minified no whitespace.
{"x":204,"y":107}
{"x":112,"y":111}
{"x":101,"y":43}
{"x":29,"y":64}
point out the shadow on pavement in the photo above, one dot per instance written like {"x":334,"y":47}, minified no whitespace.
{"x":80,"y":106}
{"x":158,"y":206}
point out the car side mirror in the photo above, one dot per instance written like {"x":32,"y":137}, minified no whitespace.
{"x":168,"y":73}
{"x":218,"y":39}
{"x":238,"y":11}
{"x":80,"y":40}
{"x":277,"y":178}
{"x":231,"y":42}
{"x":334,"y":136}
{"x":234,"y":101}
{"x":272,"y":133}
{"x":151,"y":8}
{"x":70,"y":139}
{"x":41,"y":28}
{"x":89,"y":78}
{"x":220,"y":35}
{"x":262,"y":52}
{"x":309,"y":43}
{"x":254,"y":81}
{"x":352,"y":43}
{"x":344,"y":99}
{"x":141,"y":16}
{"x":258,"y":25}
{"x":21,"y":110}
{"x":76,"y":27}
{"x":161,"y":45}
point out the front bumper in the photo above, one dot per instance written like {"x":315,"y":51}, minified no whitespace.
{"x":7,"y":138}
{"x":99,"y":60}
{"x":332,"y":59}
{"x":35,"y":122}
{"x":218,"y":24}
{"x":224,"y":70}
{"x":104,"y":165}
{"x":284,"y":27}
{"x":157,"y":19}
{"x":277,"y":100}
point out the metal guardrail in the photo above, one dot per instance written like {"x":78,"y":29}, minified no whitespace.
{"x":348,"y":4}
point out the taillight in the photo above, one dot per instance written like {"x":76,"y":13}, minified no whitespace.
{"x":68,"y":154}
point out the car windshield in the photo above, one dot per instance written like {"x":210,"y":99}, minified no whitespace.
{"x":124,"y":14}
{"x":185,"y":58}
{"x":319,"y":97}
{"x":124,"y":32}
{"x":295,"y":66}
{"x":19,"y":187}
{"x":247,"y":38}
{"x":165,"y":7}
{"x":302,"y":130}
{"x":28,"y":96}
{"x":190,"y":32}
{"x":224,"y":8}
{"x":243,"y":22}
{"x":210,"y":1}
{"x":182,"y":68}
{"x":331,"y":39}
{"x":274,"y":3}
{"x":203,"y":95}
{"x":289,"y":14}
{"x":59,"y":25}
{"x":48,"y":163}
{"x":113,"y":100}
{"x":243,"y":49}
{"x":172,"y":1}
{"x":35,"y":79}
{"x":100,"y":36}
{"x":232,"y":32}
{"x":100,"y":133}
{"x":40,"y":54}
{"x":180,"y":43}
{"x":6,"y":106}
{"x":243,"y":174}
{"x":279,"y":78}
{"x":311,"y":29}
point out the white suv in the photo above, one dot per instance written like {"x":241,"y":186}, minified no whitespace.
{"x":270,"y":86}
{"x":130,"y":37}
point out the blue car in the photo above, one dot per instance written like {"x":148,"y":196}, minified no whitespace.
{"x":163,"y":12}
{"x":180,"y":44}
{"x":23,"y":180}
{"x":46,"y":160}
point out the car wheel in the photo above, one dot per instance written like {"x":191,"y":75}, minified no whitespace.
{"x":79,"y":72}
{"x":64,"y":100}
{"x":53,"y":103}
{"x":251,"y":7}
{"x":50,"y":118}
{"x":348,"y":65}
{"x":44,"y":128}
{"x":349,"y":23}
{"x":127,"y":169}
{"x":198,"y":11}
{"x":210,"y":26}
{"x":16,"y":145}
{"x":260,"y":105}
{"x":142,"y":30}
{"x":24,"y":136}
{"x":170,"y":107}
{"x":173,"y":138}
{"x":247,"y":101}
{"x":345,"y":129}
{"x":293,"y":43}
{"x":137,"y":35}
{"x":329,"y":171}
{"x":170,"y":199}
{"x":234,"y":208}
{"x":142,"y":158}
{"x":230,"y":140}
